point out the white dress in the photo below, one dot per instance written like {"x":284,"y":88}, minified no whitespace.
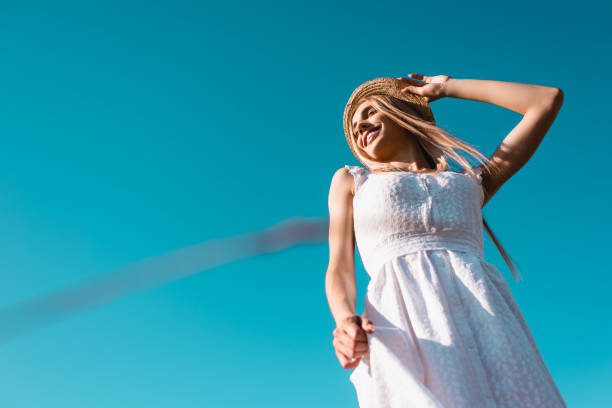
{"x":448,"y":333}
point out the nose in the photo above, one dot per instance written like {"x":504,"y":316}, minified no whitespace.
{"x":363,"y":126}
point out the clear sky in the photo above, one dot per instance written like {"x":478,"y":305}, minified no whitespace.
{"x":131,"y":129}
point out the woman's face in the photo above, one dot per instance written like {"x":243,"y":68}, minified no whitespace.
{"x":376,"y":134}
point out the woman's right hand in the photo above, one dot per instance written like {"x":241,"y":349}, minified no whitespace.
{"x":350,"y":340}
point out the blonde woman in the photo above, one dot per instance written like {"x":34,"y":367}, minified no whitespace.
{"x":440,"y":326}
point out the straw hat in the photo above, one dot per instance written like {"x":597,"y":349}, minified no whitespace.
{"x":383,"y":86}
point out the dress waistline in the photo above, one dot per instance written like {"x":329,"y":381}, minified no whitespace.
{"x":405,"y":243}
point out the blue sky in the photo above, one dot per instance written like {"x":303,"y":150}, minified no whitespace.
{"x":131,"y":129}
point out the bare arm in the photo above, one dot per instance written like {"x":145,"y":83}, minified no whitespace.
{"x":350,"y":341}
{"x":539,"y":106}
{"x":340,"y":284}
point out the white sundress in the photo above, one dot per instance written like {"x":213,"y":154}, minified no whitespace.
{"x":448,"y":332}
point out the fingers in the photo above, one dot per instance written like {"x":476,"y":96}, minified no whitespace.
{"x":411,"y":81}
{"x":418,"y":76}
{"x":367,"y":325}
{"x":412,"y":89}
{"x":355,"y":332}
{"x":350,"y":341}
{"x":349,"y":348}
{"x":347,"y":363}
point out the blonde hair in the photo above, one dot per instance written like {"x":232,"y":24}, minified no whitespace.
{"x":437,"y":145}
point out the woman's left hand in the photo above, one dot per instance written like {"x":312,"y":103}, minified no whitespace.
{"x":432,"y":87}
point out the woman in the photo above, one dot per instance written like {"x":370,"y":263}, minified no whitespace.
{"x":440,"y":326}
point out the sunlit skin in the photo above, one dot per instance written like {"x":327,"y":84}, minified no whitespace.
{"x":393,"y":144}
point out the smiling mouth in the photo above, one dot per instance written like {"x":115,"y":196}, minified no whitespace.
{"x":371,"y":135}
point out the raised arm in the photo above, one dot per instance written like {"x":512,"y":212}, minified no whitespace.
{"x":539,"y":106}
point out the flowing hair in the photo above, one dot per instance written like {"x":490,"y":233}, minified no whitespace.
{"x":437,"y":145}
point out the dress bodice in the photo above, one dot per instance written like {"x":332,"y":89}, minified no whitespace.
{"x":400,"y":212}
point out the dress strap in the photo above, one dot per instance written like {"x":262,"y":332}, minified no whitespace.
{"x":477,"y":170}
{"x":359,"y":173}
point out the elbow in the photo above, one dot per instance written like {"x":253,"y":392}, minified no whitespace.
{"x":557,"y":97}
{"x":551,"y":101}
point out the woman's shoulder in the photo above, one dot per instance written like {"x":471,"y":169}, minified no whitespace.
{"x":348,"y":178}
{"x":342,"y":181}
